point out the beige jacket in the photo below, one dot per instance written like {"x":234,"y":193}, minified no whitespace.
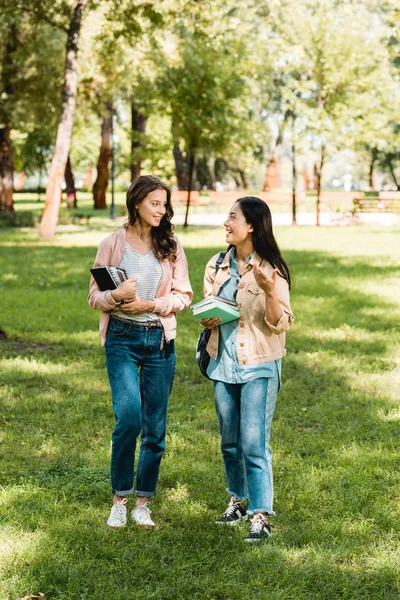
{"x":174,"y":293}
{"x":257,"y":340}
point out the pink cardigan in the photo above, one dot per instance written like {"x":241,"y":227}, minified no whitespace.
{"x":174,"y":293}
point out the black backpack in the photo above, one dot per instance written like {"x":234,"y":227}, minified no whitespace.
{"x":202,"y":356}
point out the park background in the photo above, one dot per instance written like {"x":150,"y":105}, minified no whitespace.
{"x":297,"y":103}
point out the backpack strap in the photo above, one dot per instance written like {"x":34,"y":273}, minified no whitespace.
{"x":220,"y":260}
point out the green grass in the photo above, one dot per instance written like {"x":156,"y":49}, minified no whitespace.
{"x":335,"y":436}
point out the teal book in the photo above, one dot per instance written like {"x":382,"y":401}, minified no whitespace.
{"x":215,"y":307}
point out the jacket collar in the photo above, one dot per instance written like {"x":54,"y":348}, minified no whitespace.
{"x":255,"y":260}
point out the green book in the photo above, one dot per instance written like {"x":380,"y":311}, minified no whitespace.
{"x":215,"y":307}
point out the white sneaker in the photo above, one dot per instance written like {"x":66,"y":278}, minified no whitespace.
{"x":141,"y":516}
{"x":117,"y":516}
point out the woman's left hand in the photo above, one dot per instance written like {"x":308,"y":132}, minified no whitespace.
{"x":139,"y":305}
{"x":267,"y":284}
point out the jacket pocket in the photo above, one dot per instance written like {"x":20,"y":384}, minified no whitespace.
{"x":254,"y":289}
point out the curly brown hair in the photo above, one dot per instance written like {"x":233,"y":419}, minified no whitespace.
{"x":163,"y":237}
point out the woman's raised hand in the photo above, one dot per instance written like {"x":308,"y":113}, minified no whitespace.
{"x":267,"y":284}
{"x":125,"y":291}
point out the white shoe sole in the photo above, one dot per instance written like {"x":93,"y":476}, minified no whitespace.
{"x":144,"y":525}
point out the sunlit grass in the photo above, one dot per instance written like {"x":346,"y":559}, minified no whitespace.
{"x":335,"y":435}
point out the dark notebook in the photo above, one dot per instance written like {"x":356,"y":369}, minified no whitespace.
{"x":108,"y":278}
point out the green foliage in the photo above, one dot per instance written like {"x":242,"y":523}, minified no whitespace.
{"x":19,"y":219}
{"x":335,"y":436}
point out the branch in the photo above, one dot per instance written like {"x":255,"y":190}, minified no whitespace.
{"x":43,"y":16}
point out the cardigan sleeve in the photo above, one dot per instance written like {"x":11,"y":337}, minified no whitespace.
{"x":181,"y":294}
{"x":97,"y":299}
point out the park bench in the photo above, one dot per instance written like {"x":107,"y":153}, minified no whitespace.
{"x":224,"y":198}
{"x":341,"y":198}
{"x":385,"y":202}
{"x":284,"y":197}
{"x":272,"y":197}
{"x":180,"y":197}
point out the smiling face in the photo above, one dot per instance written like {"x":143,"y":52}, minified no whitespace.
{"x":238,"y":231}
{"x":152,"y":208}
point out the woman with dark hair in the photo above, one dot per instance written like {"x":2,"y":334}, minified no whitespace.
{"x":245,"y":358}
{"x":138,"y":327}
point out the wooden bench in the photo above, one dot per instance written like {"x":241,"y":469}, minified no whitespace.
{"x":273,"y":197}
{"x":224,"y":198}
{"x":340,"y":198}
{"x":280,"y":197}
{"x":180,"y":197}
{"x":385,"y":202}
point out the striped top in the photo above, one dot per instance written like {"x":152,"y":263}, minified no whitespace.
{"x":147,"y":270}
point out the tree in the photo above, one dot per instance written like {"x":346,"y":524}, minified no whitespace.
{"x":338,"y":67}
{"x":28,"y":57}
{"x":63,"y":141}
{"x":203,"y":85}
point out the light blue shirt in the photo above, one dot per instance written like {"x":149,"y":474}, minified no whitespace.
{"x":226,"y":367}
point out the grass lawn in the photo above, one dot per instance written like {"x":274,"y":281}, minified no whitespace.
{"x":335,"y":436}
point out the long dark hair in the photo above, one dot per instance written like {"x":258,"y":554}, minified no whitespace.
{"x":163,"y":240}
{"x":258,"y":215}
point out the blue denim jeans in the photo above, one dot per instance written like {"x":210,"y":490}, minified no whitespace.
{"x":245,"y":412}
{"x":141,"y":376}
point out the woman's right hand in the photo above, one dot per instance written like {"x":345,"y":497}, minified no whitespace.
{"x":210,"y":323}
{"x":125,"y":291}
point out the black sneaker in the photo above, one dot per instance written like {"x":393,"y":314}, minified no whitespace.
{"x":260,"y":529}
{"x":233,"y":514}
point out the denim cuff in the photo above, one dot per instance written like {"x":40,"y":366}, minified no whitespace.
{"x":145,"y":494}
{"x":270,"y":513}
{"x":123,"y":492}
{"x":238,"y":497}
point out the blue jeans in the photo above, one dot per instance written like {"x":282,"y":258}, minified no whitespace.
{"x":245,"y":412}
{"x":141,"y":377}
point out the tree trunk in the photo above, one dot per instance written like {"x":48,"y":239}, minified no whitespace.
{"x":64,"y":132}
{"x":6,"y":171}
{"x":88,"y":179}
{"x":180,"y":167}
{"x":70,"y":188}
{"x":315,"y":177}
{"x":243,"y":177}
{"x":271,"y":179}
{"x":306,"y":178}
{"x":392,"y":172}
{"x":20,"y":181}
{"x":190,"y":184}
{"x":294,"y":185}
{"x":138,"y":124}
{"x":319,"y":180}
{"x":101,"y":183}
{"x":213,"y":176}
{"x":374,"y":157}
{"x":238,"y":175}
{"x":8,"y":71}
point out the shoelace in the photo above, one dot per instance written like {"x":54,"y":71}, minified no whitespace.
{"x":144,"y":511}
{"x":257,"y":524}
{"x":233,"y":504}
{"x":230,"y":510}
{"x":119,"y":508}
